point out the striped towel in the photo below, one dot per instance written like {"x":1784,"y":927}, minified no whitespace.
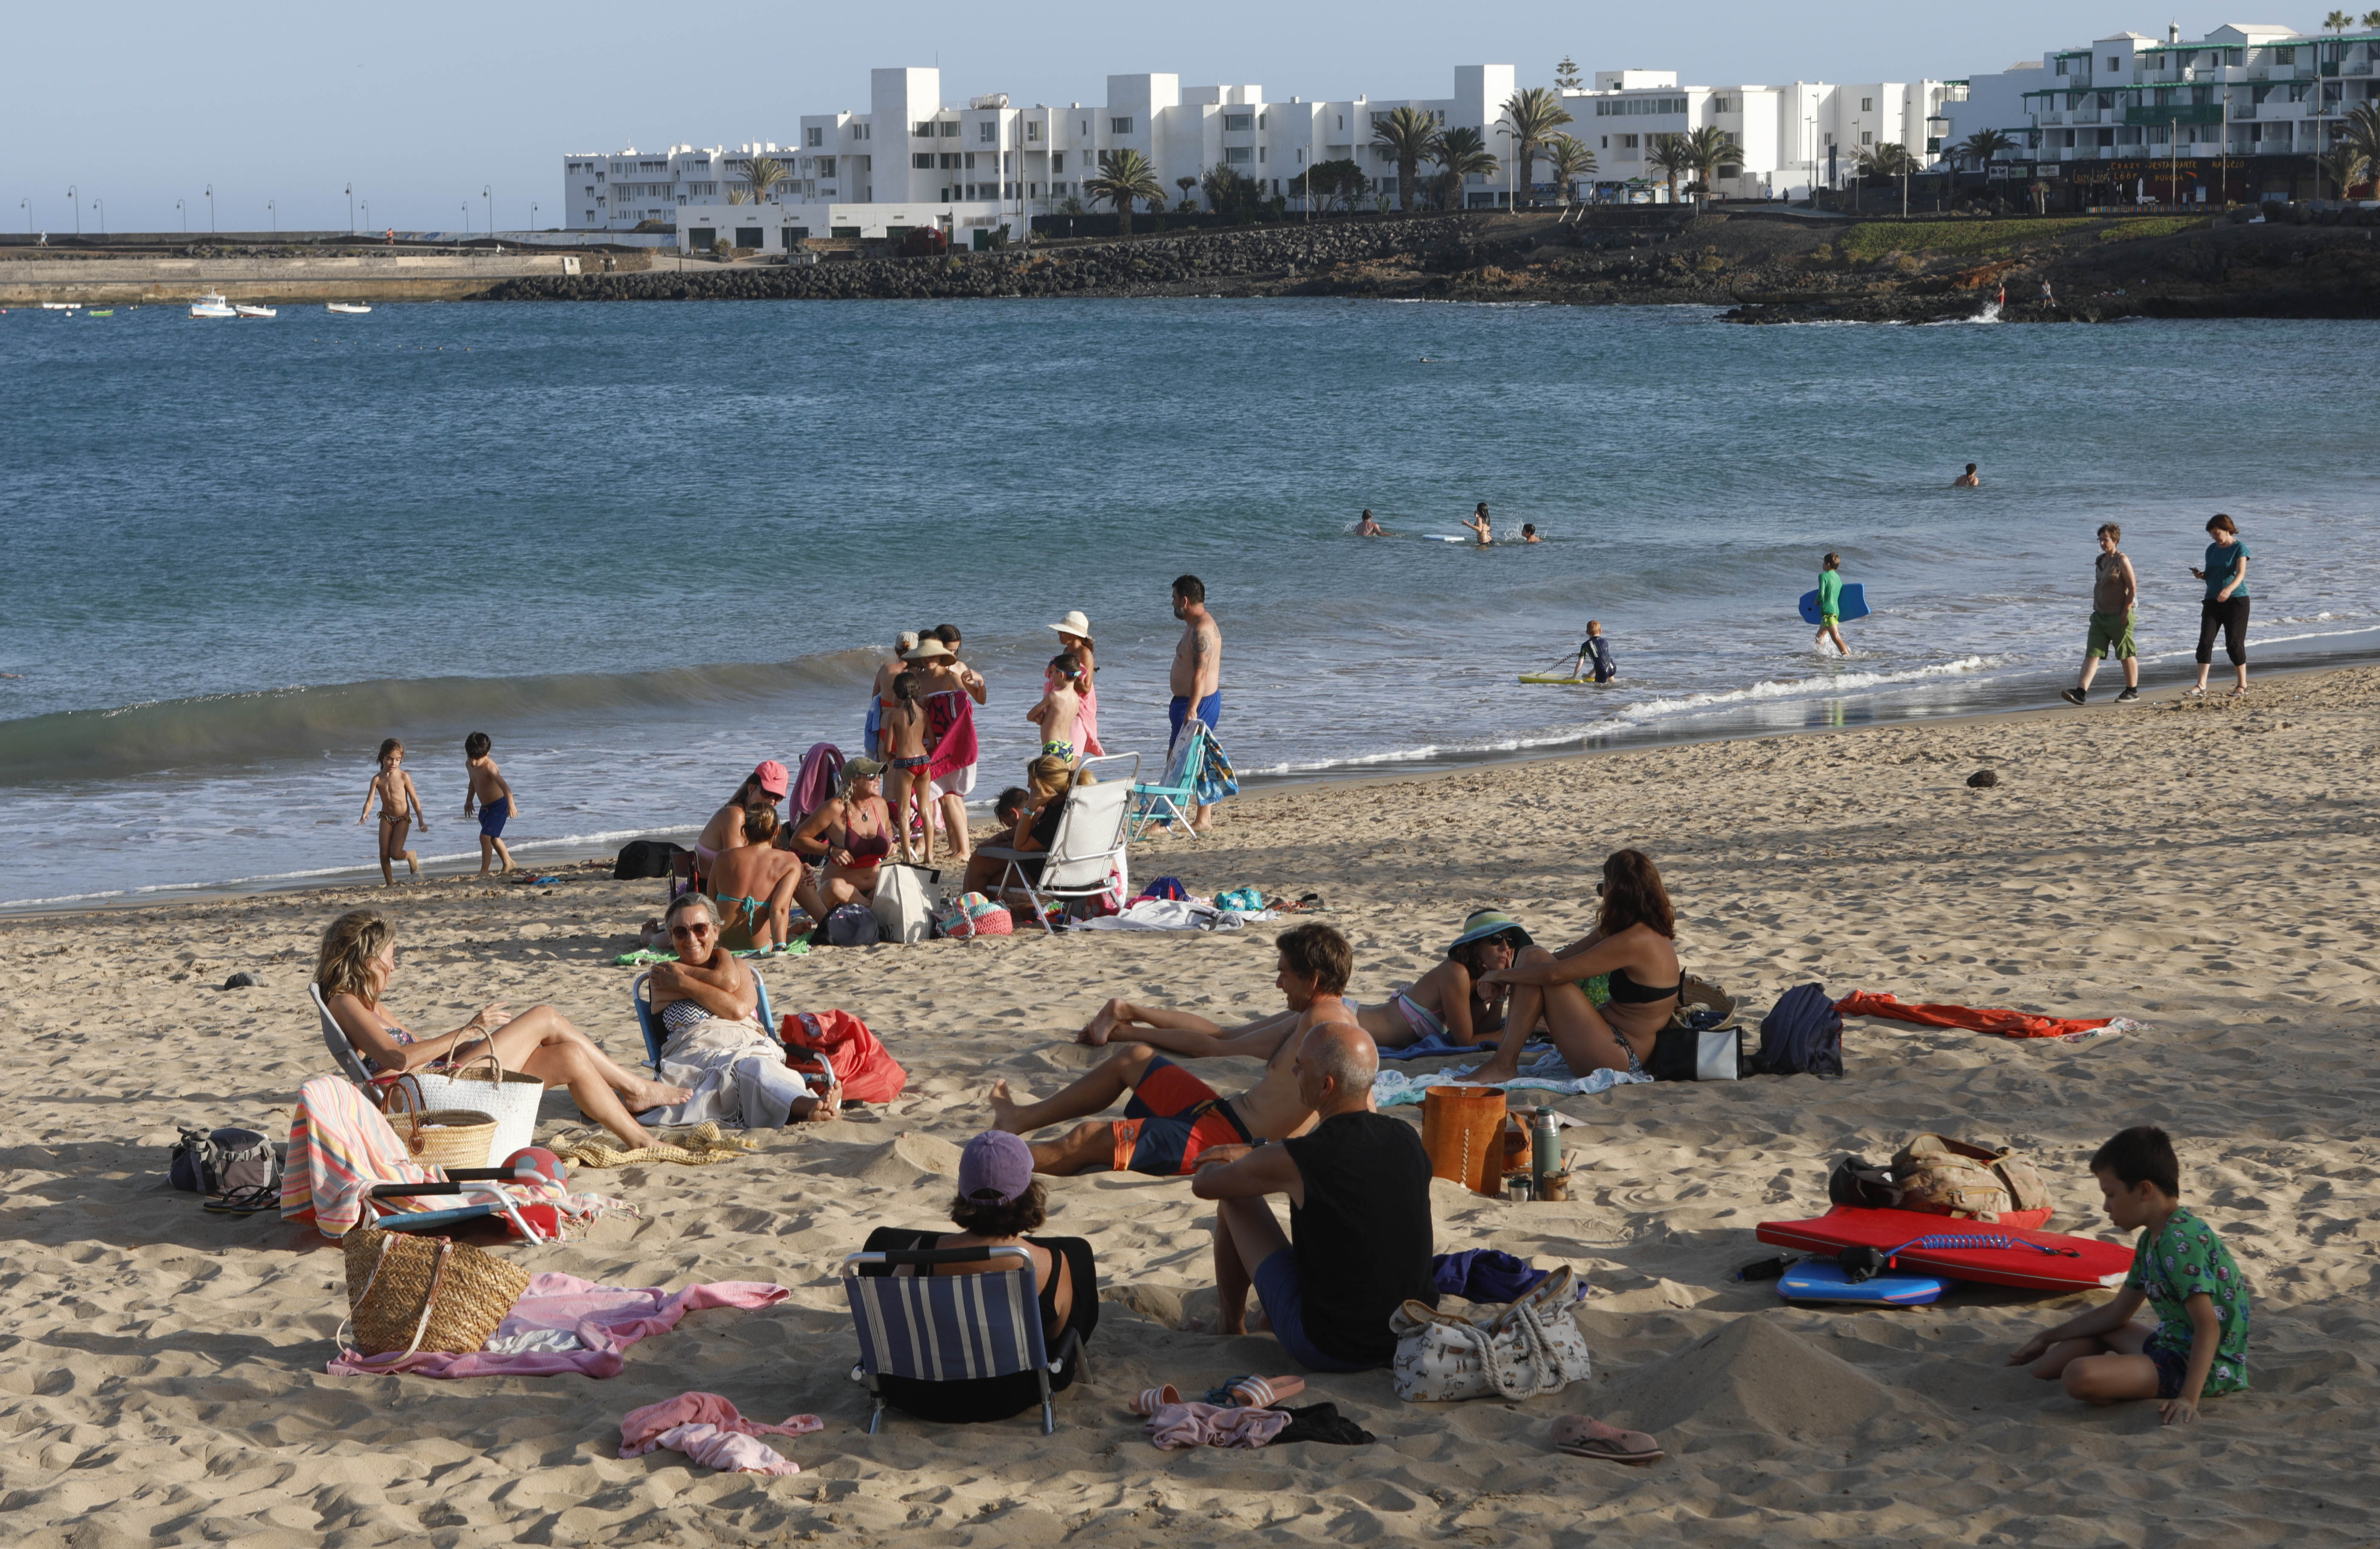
{"x":339,"y":1147}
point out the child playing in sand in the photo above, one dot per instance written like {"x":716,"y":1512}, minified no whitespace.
{"x":493,"y":796}
{"x":400,"y":806}
{"x":1060,"y":708}
{"x":2181,"y":1269}
{"x":903,"y":738}
{"x":1830,"y":603}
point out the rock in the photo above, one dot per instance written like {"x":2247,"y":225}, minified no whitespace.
{"x":242,"y":981}
{"x":1984,"y":779}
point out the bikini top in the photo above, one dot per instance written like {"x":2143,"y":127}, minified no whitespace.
{"x":1627,"y":991}
{"x":866,"y":849}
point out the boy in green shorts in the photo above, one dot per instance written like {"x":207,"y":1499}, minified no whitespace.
{"x":1830,"y":603}
{"x":2114,"y":590}
{"x":2181,"y":1269}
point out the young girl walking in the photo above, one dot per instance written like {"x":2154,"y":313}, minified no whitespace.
{"x":400,"y":807}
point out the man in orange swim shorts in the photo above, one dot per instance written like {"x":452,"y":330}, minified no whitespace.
{"x":1173,"y":1115}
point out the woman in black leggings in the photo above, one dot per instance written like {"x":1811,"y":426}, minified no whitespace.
{"x":2226,"y":606}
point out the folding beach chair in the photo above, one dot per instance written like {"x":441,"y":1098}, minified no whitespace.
{"x":1083,"y":855}
{"x":351,"y":1064}
{"x":1168,"y":800}
{"x":648,"y":1021}
{"x":956,"y":1347}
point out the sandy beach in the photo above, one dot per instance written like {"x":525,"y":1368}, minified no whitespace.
{"x":2206,"y":868}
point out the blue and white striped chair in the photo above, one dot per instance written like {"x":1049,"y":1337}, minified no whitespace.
{"x":920,"y":1333}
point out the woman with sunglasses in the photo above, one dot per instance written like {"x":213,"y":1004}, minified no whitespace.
{"x":707,"y":1003}
{"x":358,"y":959}
{"x":1635,"y":941}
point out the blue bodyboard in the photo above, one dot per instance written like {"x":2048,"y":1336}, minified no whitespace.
{"x":1822,"y":1280}
{"x":1853,"y":603}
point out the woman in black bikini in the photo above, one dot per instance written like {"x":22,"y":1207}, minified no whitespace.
{"x":1635,"y":941}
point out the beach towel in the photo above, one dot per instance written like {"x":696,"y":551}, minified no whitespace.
{"x":814,"y":786}
{"x":1391,"y":1088}
{"x":707,"y":1427}
{"x":604,"y":1321}
{"x":2015,"y":1024}
{"x":949,"y":727}
{"x":699,"y":1147}
{"x":1183,"y":1425}
{"x":1214,"y":779}
{"x":1444,"y":1043}
{"x":1165,"y":914}
{"x":644,"y":955}
{"x":339,"y":1147}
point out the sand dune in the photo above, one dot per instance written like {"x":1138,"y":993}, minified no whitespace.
{"x":2205,"y":868}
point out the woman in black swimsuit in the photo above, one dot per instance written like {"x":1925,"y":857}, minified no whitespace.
{"x":1635,"y":941}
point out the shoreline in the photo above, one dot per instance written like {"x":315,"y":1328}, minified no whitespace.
{"x":1257,"y":787}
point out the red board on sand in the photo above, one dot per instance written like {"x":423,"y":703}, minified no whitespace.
{"x":2079,"y":1264}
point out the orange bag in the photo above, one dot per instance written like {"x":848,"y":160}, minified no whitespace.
{"x":843,"y":1042}
{"x":1463,"y":1129}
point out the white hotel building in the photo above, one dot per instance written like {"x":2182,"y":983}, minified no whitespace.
{"x":912,"y":161}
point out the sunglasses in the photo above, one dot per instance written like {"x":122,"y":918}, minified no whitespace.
{"x":689,"y":929}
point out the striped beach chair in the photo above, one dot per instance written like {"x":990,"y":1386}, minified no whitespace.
{"x":957,"y":1347}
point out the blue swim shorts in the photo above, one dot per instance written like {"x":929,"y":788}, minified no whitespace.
{"x":1284,"y":1304}
{"x":1210,"y":709}
{"x":492,"y":816}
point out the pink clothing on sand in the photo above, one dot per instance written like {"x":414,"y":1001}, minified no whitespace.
{"x":606,"y":1319}
{"x":708,"y":1428}
{"x":1181,"y":1425}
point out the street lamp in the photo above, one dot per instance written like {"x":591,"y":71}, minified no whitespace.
{"x":466,"y":218}
{"x":488,"y":193}
{"x":211,"y":207}
{"x":367,"y":211}
{"x":101,"y":205}
{"x":26,"y":206}
{"x":74,"y":197}
{"x":351,"y":209}
{"x":1508,"y":188}
{"x":274,"y":210}
{"x":184,"y":208}
{"x":532,"y":215}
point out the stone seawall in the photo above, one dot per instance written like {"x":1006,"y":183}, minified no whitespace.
{"x":395,"y":276}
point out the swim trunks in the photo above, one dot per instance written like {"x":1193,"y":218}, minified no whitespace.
{"x":492,"y":816}
{"x":1210,"y":709}
{"x":2172,"y":1365}
{"x":1173,"y":1117}
{"x":2111,"y":634}
{"x":1827,"y":621}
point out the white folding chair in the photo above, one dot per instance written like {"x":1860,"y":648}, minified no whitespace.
{"x":1083,"y":853}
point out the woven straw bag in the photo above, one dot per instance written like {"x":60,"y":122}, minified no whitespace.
{"x":481,"y":1084}
{"x":439,"y":1137}
{"x":409,"y":1293}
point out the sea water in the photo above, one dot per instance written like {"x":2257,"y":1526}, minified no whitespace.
{"x":644,"y":546}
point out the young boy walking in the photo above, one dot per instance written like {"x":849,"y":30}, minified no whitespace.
{"x":1830,"y":603}
{"x":2181,"y":1269}
{"x":494,"y":797}
{"x":2114,"y":591}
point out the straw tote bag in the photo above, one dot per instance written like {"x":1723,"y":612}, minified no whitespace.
{"x":409,"y":1293}
{"x":438,"y":1136}
{"x":1531,"y":1347}
{"x":510,"y":1097}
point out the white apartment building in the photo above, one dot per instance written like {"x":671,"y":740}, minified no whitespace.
{"x":1792,"y":138}
{"x":2239,"y":113}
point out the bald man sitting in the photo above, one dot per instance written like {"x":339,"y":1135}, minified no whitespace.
{"x":1359,"y":1242}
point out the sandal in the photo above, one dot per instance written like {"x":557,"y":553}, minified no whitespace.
{"x":1254,"y":1393}
{"x":1583,"y":1436}
{"x":1152,"y":1400}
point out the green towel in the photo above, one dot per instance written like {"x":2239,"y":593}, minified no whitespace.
{"x":640,"y":957}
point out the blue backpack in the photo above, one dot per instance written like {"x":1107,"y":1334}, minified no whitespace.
{"x":1802,"y":1036}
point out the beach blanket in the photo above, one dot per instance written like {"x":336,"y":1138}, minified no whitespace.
{"x":1391,"y":1088}
{"x":708,"y":1428}
{"x":699,"y":1147}
{"x":600,"y":1321}
{"x":1441,"y":1043}
{"x":949,"y":727}
{"x":2015,"y":1024}
{"x":339,"y":1147}
{"x":1165,"y":914}
{"x":642,"y":956}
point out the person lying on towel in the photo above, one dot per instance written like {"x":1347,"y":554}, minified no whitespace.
{"x":1173,"y":1115}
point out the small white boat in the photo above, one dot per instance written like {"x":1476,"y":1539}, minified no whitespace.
{"x":244,"y":309}
{"x":348,"y":308}
{"x":60,"y":306}
{"x":212,"y":305}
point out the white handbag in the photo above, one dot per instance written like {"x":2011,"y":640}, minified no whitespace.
{"x":1530,"y":1347}
{"x":482,"y":1082}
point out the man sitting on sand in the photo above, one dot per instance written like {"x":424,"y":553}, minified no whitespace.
{"x":1174,"y":1117}
{"x":1359,"y":1242}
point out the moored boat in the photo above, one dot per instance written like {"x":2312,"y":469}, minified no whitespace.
{"x":245,"y":310}
{"x":212,"y":305}
{"x":350,"y":308}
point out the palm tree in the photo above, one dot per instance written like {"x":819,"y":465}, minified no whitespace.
{"x":1711,"y":148}
{"x":2345,"y":166}
{"x":1886,"y":158}
{"x":1125,"y":176}
{"x":1983,"y":145}
{"x":2364,"y":128}
{"x":2372,"y":20}
{"x":2338,"y":23}
{"x":1669,"y":156}
{"x":738,"y":196}
{"x":1534,"y":114}
{"x":1570,"y":159}
{"x":1407,"y":134}
{"x":1459,"y":152}
{"x":761,"y":173}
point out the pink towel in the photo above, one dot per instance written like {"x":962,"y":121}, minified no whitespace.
{"x":1181,"y":1425}
{"x":1086,"y":726}
{"x":706,"y":1428}
{"x":728,"y":1451}
{"x":949,"y":721}
{"x":814,"y":786}
{"x":606,"y":1319}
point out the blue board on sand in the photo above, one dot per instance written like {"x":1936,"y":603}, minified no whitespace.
{"x":1853,"y":602}
{"x":1822,"y":1280}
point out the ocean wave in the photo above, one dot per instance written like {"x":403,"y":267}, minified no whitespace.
{"x":1806,"y":686}
{"x":306,"y":720}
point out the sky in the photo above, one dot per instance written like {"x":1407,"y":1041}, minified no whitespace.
{"x":280,"y":108}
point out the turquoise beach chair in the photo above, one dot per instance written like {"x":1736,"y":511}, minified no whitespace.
{"x":1168,"y":800}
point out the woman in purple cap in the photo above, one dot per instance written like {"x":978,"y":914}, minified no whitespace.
{"x":999,"y":1201}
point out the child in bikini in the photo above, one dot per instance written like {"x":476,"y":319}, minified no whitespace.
{"x":1059,"y":707}
{"x":902,"y":737}
{"x":400,"y":806}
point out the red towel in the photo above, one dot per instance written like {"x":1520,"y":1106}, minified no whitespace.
{"x":950,"y":722}
{"x":2016,"y":1024}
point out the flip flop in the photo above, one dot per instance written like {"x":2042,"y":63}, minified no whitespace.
{"x":1152,"y":1400}
{"x":1583,"y":1436}
{"x":1255,"y":1393}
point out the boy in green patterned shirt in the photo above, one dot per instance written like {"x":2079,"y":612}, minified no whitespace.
{"x":2181,"y":1269}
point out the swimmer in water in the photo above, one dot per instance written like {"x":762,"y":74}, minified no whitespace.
{"x":1367,"y":528}
{"x":1969,"y":479}
{"x":1529,"y":533}
{"x":1479,"y":523}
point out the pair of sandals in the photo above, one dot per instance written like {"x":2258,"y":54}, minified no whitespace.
{"x":1584,"y":1436}
{"x":1240,"y":1393}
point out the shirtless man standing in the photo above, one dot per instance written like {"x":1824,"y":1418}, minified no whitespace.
{"x":1173,"y":1115}
{"x":1198,"y":677}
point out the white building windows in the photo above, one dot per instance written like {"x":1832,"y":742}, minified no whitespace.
{"x":1867,"y":104}
{"x":1032,"y":131}
{"x":1239,"y":122}
{"x":951,"y":162}
{"x":986,"y":131}
{"x":1726,"y":104}
{"x":1867,"y":136}
{"x":1057,"y":160}
{"x":1237,"y":155}
{"x":923,"y":128}
{"x":817,"y":137}
{"x":922,"y":161}
{"x":1637,"y":107}
{"x":1119,"y":125}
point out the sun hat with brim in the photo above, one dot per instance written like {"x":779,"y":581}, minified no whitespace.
{"x":1073,"y":624}
{"x":927,"y":651}
{"x":1484,"y":922}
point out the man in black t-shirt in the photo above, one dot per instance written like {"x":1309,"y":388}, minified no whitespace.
{"x":1359,"y":1242}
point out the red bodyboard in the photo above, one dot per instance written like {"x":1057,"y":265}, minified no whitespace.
{"x":2095,"y":1263}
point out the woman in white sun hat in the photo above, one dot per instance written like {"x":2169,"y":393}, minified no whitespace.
{"x":1074,"y":635}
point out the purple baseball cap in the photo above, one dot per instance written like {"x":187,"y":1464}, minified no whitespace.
{"x":995,"y":1164}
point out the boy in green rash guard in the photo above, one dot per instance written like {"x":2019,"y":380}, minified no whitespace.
{"x":2181,"y":1268}
{"x":1830,"y":602}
